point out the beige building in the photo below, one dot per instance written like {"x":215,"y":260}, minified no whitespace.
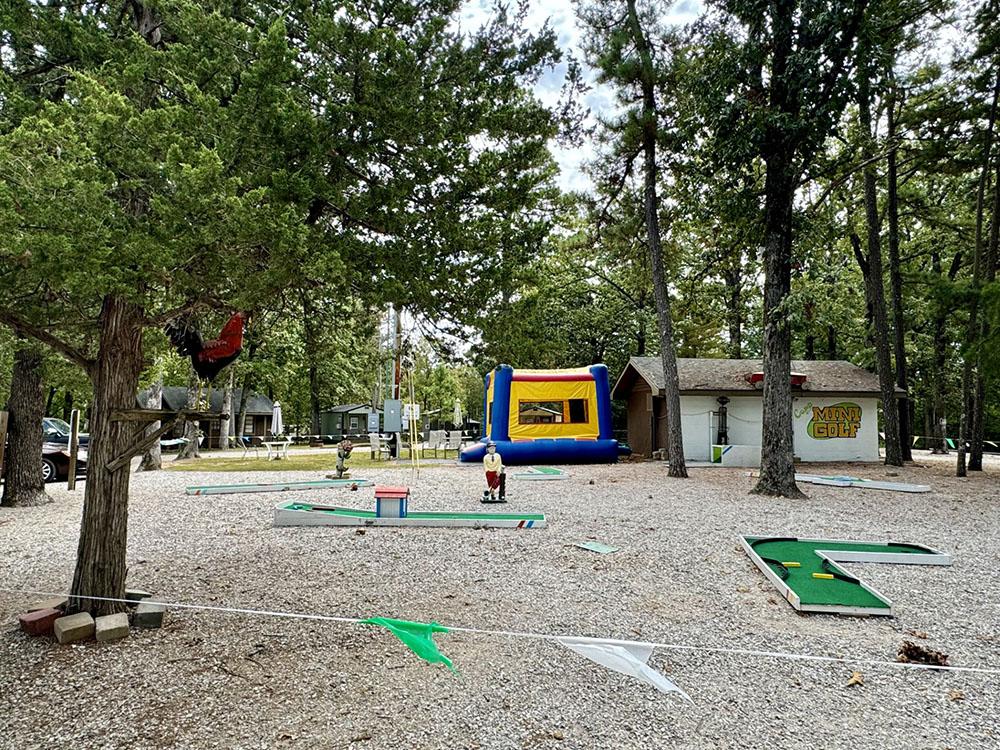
{"x":834,"y":407}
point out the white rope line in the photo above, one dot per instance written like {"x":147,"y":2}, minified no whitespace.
{"x":541,"y":636}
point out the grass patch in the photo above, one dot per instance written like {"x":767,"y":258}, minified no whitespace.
{"x":295,"y":462}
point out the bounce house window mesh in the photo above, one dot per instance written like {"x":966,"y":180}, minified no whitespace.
{"x":577,"y":410}
{"x":540,"y":412}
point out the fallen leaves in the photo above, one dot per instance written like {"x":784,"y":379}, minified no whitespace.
{"x":913,"y":653}
{"x":956,"y":695}
{"x":856,"y":679}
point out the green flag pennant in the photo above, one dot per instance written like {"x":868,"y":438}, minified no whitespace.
{"x":417,"y":636}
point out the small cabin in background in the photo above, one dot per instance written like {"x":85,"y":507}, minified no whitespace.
{"x":347,"y":420}
{"x":259,"y":411}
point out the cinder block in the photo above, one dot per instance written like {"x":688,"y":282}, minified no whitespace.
{"x":40,"y":621}
{"x":134,"y":596}
{"x":149,"y":615}
{"x":56,"y":602}
{"x":111,"y":627}
{"x":74,"y":627}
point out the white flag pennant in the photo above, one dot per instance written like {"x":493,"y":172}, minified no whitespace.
{"x":627,"y":658}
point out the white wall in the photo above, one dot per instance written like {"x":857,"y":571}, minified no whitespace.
{"x":744,"y":421}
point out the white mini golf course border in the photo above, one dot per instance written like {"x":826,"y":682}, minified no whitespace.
{"x":332,"y":515}
{"x":318,"y":484}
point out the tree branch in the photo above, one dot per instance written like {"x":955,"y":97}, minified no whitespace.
{"x":189,"y":306}
{"x":71,"y":353}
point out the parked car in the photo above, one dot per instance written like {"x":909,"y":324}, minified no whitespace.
{"x":55,"y":462}
{"x":57,"y":431}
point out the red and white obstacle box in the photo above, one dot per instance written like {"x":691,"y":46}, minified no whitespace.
{"x":390,"y":502}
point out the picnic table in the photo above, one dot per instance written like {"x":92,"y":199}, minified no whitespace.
{"x":277,"y":449}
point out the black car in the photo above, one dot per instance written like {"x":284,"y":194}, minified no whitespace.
{"x":57,"y":431}
{"x":55,"y":462}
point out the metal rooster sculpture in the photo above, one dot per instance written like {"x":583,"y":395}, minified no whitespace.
{"x":209,"y":358}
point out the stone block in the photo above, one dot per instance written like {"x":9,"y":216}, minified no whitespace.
{"x":39,"y":621}
{"x":134,"y":596}
{"x":111,"y":627}
{"x":149,"y":615}
{"x":56,"y":602}
{"x":74,"y":627}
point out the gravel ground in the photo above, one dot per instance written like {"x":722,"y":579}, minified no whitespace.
{"x":235,"y":681}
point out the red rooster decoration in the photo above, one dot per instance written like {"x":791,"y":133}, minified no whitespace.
{"x":209,"y":358}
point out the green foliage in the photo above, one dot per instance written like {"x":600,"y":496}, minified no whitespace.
{"x":192,"y":155}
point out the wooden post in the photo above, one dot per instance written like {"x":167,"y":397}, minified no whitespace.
{"x":3,"y":436}
{"x":74,"y":447}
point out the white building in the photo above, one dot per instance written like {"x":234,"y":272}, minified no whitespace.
{"x":834,"y":409}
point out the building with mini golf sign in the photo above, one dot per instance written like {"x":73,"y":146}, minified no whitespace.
{"x":834,"y":409}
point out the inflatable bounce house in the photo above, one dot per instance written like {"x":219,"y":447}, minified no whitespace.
{"x":548,"y":416}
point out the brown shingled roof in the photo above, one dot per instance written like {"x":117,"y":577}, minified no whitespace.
{"x":730,"y":375}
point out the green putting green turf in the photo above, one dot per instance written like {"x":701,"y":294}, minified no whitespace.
{"x":353,"y":513}
{"x":819,"y":591}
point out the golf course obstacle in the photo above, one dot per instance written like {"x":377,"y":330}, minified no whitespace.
{"x":865,"y":484}
{"x":541,"y":473}
{"x":389,"y":503}
{"x":319,"y":484}
{"x":807,"y":574}
{"x":856,"y":482}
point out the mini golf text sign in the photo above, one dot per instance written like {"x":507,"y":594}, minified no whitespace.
{"x":837,"y":421}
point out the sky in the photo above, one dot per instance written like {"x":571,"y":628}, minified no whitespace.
{"x":561,"y":16}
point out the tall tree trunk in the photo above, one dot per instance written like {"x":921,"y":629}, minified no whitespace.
{"x":831,"y":342}
{"x":675,"y":441}
{"x":152,"y":459}
{"x":312,"y":348}
{"x":24,"y":484}
{"x":874,"y":277}
{"x":191,"y":449}
{"x":972,"y":403}
{"x":990,"y":263}
{"x":733,"y":278}
{"x":777,"y":463}
{"x":100,"y":561}
{"x":245,"y":389}
{"x":48,"y":401}
{"x":939,"y":340}
{"x":896,"y":284}
{"x":640,"y":335}
{"x":227,"y":420}
{"x":67,"y":405}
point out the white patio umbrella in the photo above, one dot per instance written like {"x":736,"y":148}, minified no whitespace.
{"x":277,"y":425}
{"x":457,"y":416}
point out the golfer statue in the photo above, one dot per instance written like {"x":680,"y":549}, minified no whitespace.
{"x":493,"y":464}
